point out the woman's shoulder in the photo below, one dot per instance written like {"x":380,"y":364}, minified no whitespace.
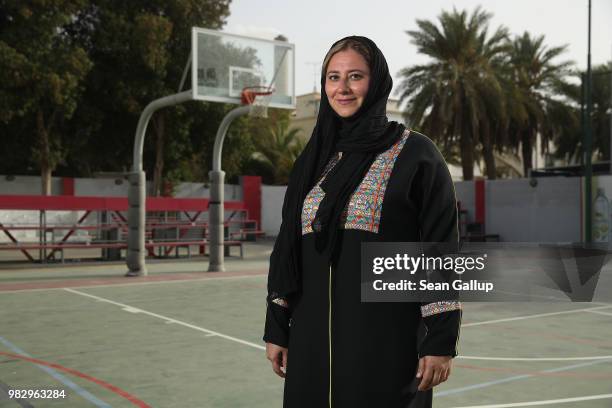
{"x":420,"y":146}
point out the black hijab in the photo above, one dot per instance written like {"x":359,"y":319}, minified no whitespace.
{"x":360,"y":137}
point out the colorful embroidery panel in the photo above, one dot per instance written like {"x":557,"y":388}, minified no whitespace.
{"x":314,"y":198}
{"x":365,"y":205}
{"x":439,"y":307}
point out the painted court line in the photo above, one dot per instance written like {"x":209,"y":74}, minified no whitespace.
{"x":211,"y":333}
{"x":547,"y":402}
{"x":534,"y":316}
{"x":516,"y":378}
{"x":535,"y":358}
{"x":59,"y":377}
{"x":110,"y":387}
{"x":110,"y":285}
{"x":599,"y":312}
{"x":167,"y":319}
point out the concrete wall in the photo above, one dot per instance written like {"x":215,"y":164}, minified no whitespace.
{"x":548,"y":212}
{"x":518,"y":212}
{"x":28,"y":185}
{"x":102,"y":187}
{"x":106,"y":187}
{"x":271,"y":208}
{"x":464,"y":191}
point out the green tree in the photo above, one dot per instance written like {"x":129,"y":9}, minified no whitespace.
{"x":276,"y":151}
{"x":139,"y":50}
{"x":41,"y":78}
{"x":570,"y":142}
{"x":602,"y":110}
{"x":540,"y":93}
{"x":454,"y":97}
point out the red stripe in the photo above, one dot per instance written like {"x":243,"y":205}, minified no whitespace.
{"x":251,"y":197}
{"x":68,"y":186}
{"x":67,"y":203}
{"x":104,"y":384}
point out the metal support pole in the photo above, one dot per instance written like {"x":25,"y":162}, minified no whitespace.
{"x":588,"y":143}
{"x":216,"y":215}
{"x":135,"y":258}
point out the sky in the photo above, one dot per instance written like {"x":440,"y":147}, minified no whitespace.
{"x":313,"y":25}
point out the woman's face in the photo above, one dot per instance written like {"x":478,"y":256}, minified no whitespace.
{"x":346,"y":82}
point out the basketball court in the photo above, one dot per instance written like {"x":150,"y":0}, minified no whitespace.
{"x":184,"y":337}
{"x":176,"y":336}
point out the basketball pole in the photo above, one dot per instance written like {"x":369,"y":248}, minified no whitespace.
{"x":137,"y":191}
{"x":216,"y":212}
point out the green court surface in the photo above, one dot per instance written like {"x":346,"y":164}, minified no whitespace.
{"x":196,"y":342}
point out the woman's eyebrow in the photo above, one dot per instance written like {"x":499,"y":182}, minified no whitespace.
{"x":350,"y":70}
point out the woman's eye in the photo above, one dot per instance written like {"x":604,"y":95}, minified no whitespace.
{"x":332,"y":77}
{"x":355,"y":76}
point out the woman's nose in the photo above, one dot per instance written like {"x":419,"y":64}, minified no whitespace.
{"x":344,"y":87}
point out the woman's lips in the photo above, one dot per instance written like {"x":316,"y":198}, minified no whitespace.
{"x":345,"y":101}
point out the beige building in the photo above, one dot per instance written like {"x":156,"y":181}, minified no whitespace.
{"x":305,"y":117}
{"x":307,"y":107}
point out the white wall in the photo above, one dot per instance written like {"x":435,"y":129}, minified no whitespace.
{"x":106,"y":187}
{"x":233,"y":192}
{"x":271,"y":208}
{"x":28,"y":185}
{"x":464,"y":191}
{"x":548,"y":212}
{"x":101,"y":187}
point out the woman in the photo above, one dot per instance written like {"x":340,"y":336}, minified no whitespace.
{"x":360,"y":179}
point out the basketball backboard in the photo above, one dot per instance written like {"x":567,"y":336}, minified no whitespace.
{"x":224,"y":64}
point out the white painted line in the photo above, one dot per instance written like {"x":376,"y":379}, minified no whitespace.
{"x":535,"y":358}
{"x":600,"y":312}
{"x":546,"y":402}
{"x":485,"y":384}
{"x":168,"y":319}
{"x":261,"y":275}
{"x":534,"y":316}
{"x":2,"y":292}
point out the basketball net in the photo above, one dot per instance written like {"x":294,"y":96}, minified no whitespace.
{"x":259,"y":97}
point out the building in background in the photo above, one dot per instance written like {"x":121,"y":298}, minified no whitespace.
{"x":509,"y":165}
{"x":307,"y":108}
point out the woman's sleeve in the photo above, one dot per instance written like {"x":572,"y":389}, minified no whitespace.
{"x":438,"y":223}
{"x":278,"y":315}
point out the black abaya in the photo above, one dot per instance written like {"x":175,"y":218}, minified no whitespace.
{"x":347,"y":354}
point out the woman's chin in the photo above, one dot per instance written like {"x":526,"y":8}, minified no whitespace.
{"x":346,"y":112}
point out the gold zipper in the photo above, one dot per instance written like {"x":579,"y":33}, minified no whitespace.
{"x":330,"y":335}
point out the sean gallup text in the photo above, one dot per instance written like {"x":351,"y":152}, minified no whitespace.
{"x":472,"y":285}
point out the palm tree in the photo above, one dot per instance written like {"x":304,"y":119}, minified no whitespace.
{"x":570,"y":141}
{"x":539,"y":94}
{"x":277,"y":150}
{"x":455,"y":97}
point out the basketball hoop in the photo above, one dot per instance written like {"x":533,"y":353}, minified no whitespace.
{"x":259,"y":98}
